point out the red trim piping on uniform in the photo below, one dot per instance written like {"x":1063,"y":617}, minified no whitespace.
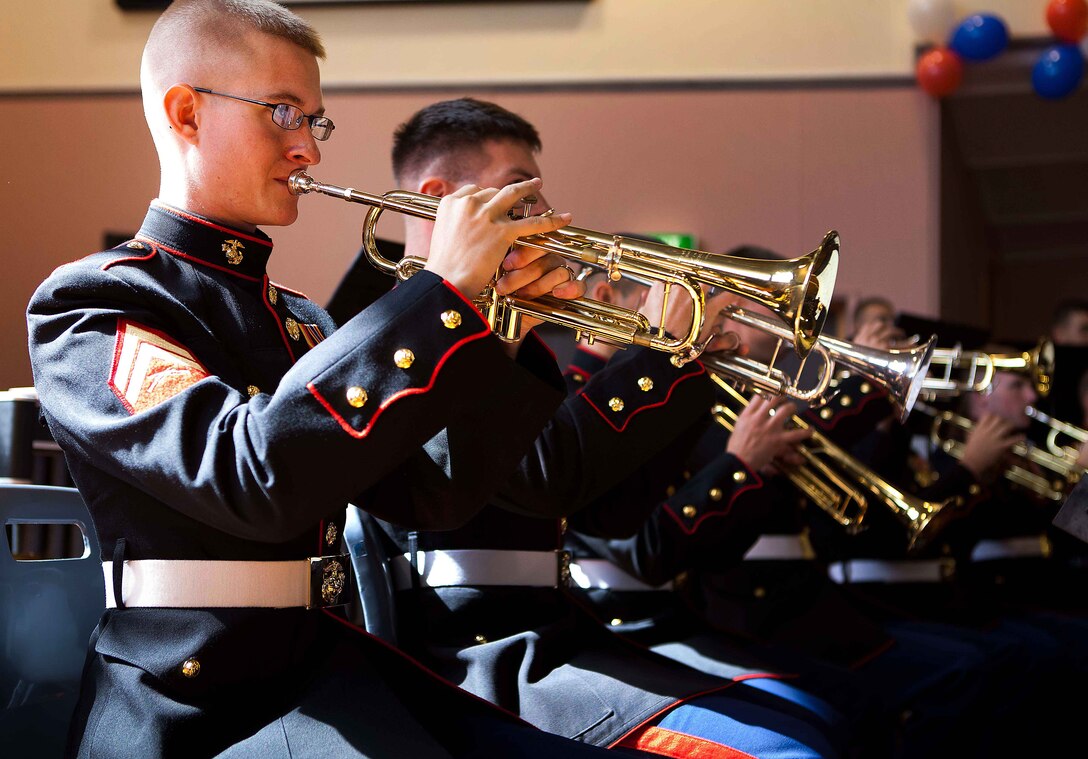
{"x":814,"y":416}
{"x":360,"y":434}
{"x":636,"y":412}
{"x":195,"y":260}
{"x":663,"y":742}
{"x":641,"y":726}
{"x":154,"y":252}
{"x":758,"y":483}
{"x":765,"y":676}
{"x":434,"y":675}
{"x":544,"y":345}
{"x":204,"y":222}
{"x":288,"y":290}
{"x":469,"y":303}
{"x":276,"y":317}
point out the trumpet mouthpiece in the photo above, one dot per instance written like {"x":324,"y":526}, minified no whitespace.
{"x":300,"y":183}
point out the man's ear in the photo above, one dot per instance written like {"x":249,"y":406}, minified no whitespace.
{"x":602,"y":291}
{"x":436,"y":186}
{"x":179,"y":104}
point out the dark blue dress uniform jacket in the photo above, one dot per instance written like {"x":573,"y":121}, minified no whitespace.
{"x":534,"y":650}
{"x":207,"y":413}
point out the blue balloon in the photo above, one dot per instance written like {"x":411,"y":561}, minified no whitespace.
{"x":1058,"y":71}
{"x":979,"y":37}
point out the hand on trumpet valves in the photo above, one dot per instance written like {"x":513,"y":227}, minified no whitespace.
{"x":473,"y":233}
{"x":988,"y":443}
{"x":763,"y":434}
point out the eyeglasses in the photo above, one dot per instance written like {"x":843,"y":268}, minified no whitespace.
{"x":285,"y":115}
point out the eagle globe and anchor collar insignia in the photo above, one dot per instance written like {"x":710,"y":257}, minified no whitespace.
{"x":234,"y":250}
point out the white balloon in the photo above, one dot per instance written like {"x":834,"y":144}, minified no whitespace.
{"x":931,"y":19}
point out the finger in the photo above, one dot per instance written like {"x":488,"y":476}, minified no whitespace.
{"x":514,"y":194}
{"x":536,"y":279}
{"x":539,"y":225}
{"x":521,"y":256}
{"x":464,"y":191}
{"x":795,"y":435}
{"x":570,"y":290}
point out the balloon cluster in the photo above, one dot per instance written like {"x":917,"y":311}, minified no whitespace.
{"x":1061,"y":67}
{"x":982,"y":36}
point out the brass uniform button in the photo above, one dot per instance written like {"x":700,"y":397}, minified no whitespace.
{"x":135,"y":245}
{"x":670,"y":491}
{"x":689,"y":511}
{"x":578,"y":378}
{"x":356,"y":397}
{"x":616,"y":404}
{"x":562,"y":525}
{"x":975,"y":489}
{"x":616,"y":622}
{"x":330,"y":535}
{"x":687,"y":475}
{"x":252,"y":390}
{"x":190,"y":667}
{"x":845,"y":400}
{"x":292,"y":328}
{"x":273,"y":295}
{"x":481,"y":639}
{"x":715,"y":494}
{"x":451,"y":319}
{"x":825,"y":413}
{"x":866,"y":387}
{"x":759,"y":592}
{"x":645,"y":384}
{"x":404,"y":358}
{"x":740,"y":476}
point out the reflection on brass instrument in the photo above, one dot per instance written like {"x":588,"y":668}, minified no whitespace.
{"x":899,"y":372}
{"x":831,"y":478}
{"x":1057,"y":428}
{"x":798,"y":290}
{"x":976,"y":370}
{"x":948,"y":432}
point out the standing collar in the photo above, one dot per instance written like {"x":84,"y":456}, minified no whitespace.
{"x":184,"y":233}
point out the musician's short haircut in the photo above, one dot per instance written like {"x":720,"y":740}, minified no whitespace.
{"x":222,"y":23}
{"x":872,"y":300}
{"x":454,"y":131}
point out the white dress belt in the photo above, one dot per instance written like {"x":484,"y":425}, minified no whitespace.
{"x":789,"y":547}
{"x":1027,"y":547}
{"x":888,"y":571}
{"x":603,"y":574}
{"x":194,"y":584}
{"x":483,"y":567}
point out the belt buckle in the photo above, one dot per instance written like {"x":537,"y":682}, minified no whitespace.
{"x":563,"y":569}
{"x":330,"y":582}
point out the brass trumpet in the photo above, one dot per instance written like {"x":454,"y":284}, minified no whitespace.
{"x":798,"y":290}
{"x":1057,"y":428}
{"x":948,"y":425}
{"x":830,"y":478}
{"x":978,"y":370}
{"x":900,"y":372}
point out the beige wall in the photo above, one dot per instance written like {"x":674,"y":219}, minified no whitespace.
{"x":91,"y":44}
{"x":774,"y":167}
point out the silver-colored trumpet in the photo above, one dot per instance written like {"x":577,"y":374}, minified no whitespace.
{"x":976,"y":370}
{"x":840,"y":485}
{"x":899,"y":371}
{"x":798,"y":291}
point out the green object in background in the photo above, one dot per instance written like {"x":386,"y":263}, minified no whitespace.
{"x":675,"y":239}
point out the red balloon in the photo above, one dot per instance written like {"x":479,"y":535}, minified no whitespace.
{"x":939,"y":71}
{"x":1068,"y":19}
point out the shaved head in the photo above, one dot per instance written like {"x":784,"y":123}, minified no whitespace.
{"x":196,"y":40}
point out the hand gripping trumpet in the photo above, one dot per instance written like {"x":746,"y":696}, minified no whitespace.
{"x":900,"y":372}
{"x":798,"y":290}
{"x":840,"y":485}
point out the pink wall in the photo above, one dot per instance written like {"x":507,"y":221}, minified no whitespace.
{"x":771,"y":167}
